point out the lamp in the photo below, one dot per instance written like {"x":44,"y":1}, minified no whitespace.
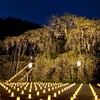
{"x":78,"y":63}
{"x":30,"y":65}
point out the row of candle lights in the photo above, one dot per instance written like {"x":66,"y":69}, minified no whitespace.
{"x":76,"y":92}
{"x":45,"y":87}
{"x":21,"y":87}
{"x":93,"y":92}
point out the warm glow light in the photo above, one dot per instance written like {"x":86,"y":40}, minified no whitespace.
{"x":38,"y":93}
{"x":55,"y":94}
{"x":14,"y":87}
{"x":30,"y":65}
{"x":55,"y":87}
{"x":35,"y":89}
{"x":22,"y":92}
{"x":9,"y":91}
{"x":24,"y":88}
{"x":52,"y":88}
{"x":6,"y":88}
{"x":76,"y":92}
{"x":93,"y":92}
{"x":62,"y":90}
{"x":41,"y":88}
{"x":49,"y":97}
{"x":58,"y":91}
{"x":96,"y":97}
{"x":30,"y":90}
{"x":44,"y":91}
{"x":20,"y":86}
{"x":18,"y":98}
{"x":17,"y":89}
{"x":29,"y":96}
{"x":12,"y":94}
{"x":74,"y":96}
{"x":78,"y":63}
{"x":98,"y":84}
{"x":71,"y":98}
{"x":48,"y":89}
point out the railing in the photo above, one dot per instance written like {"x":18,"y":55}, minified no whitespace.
{"x":16,"y":77}
{"x":26,"y":75}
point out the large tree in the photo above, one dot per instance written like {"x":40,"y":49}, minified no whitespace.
{"x":57,"y":47}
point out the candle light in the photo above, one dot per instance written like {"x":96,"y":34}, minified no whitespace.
{"x":71,"y":98}
{"x":12,"y":94}
{"x":22,"y":92}
{"x":30,"y":90}
{"x":55,"y":94}
{"x":29,"y":96}
{"x":9,"y":91}
{"x":17,"y":89}
{"x":58,"y":91}
{"x":38,"y":93}
{"x":49,"y":97}
{"x":18,"y":98}
{"x":44,"y":91}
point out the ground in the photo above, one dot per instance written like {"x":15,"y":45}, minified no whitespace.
{"x":46,"y":91}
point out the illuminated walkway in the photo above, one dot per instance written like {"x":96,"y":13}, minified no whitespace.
{"x":16,"y":89}
{"x":48,"y":91}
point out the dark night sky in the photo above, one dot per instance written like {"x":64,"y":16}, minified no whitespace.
{"x":39,"y":11}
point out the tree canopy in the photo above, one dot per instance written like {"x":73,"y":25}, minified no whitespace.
{"x":57,"y":47}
